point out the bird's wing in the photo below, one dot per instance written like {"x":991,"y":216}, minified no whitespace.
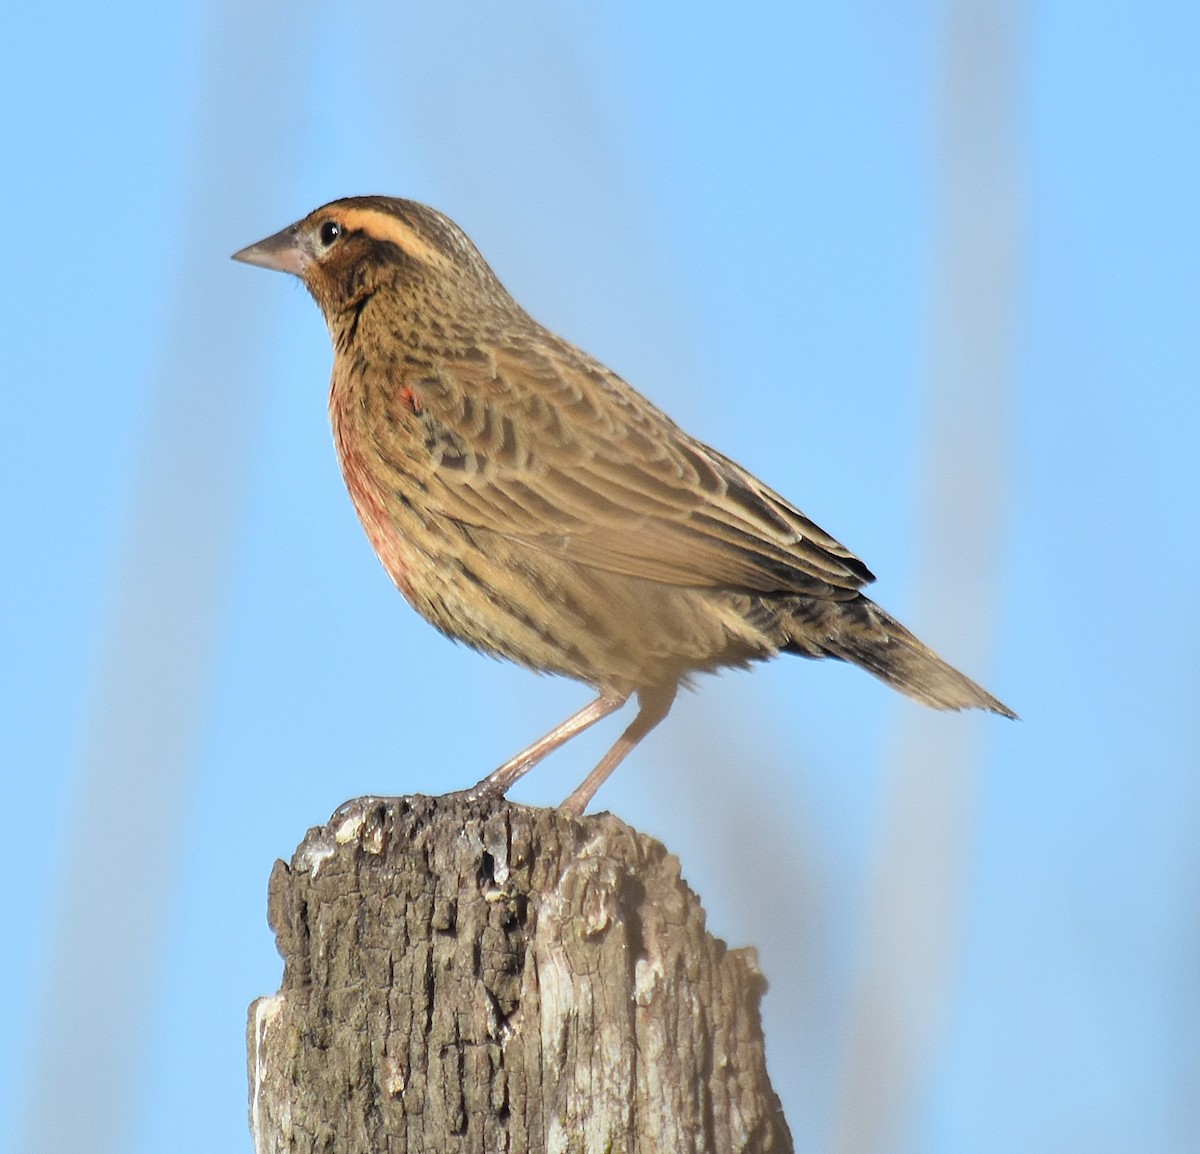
{"x":547,"y":446}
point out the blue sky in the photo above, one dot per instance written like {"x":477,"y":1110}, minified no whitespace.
{"x":749,"y":215}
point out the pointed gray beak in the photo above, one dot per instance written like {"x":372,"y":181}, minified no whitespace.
{"x":284,"y":252}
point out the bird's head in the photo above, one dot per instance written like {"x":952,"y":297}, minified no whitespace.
{"x":350,"y":250}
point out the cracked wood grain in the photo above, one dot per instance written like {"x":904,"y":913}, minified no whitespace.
{"x":484,"y":977}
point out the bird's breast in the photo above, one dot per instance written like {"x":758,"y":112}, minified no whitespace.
{"x":376,"y":478}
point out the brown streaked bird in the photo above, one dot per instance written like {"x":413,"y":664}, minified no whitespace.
{"x":529,"y":502}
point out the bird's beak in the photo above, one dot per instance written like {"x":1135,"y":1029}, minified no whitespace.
{"x":285,"y":252}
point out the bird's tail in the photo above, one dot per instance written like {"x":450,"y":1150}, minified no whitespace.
{"x":860,"y":632}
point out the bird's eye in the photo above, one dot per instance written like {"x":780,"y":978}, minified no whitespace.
{"x":329,"y":232}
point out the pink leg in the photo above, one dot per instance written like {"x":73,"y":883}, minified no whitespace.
{"x":654,"y":706}
{"x":498,"y":782}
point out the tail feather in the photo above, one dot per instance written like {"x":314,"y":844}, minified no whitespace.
{"x":860,"y":632}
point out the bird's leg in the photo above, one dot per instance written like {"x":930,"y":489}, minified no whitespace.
{"x":497,"y":783}
{"x":654,"y":705}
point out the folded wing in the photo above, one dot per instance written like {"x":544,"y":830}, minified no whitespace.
{"x":552,"y":449}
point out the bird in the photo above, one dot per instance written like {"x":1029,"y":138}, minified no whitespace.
{"x":529,"y":502}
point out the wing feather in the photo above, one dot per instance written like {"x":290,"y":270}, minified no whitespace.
{"x":542,"y":444}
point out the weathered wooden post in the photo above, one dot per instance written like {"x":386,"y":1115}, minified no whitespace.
{"x":484,"y":977}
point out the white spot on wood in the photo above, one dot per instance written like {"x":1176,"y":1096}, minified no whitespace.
{"x":265,"y":1011}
